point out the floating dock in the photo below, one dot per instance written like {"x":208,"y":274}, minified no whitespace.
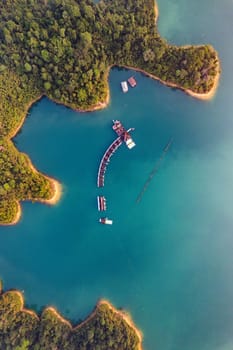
{"x":123,"y":133}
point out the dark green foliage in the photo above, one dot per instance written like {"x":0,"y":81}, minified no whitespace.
{"x":63,"y":49}
{"x":102,"y":331}
{"x":18,"y":181}
{"x":67,"y":45}
{"x":17,"y":93}
{"x":21,"y":329}
{"x":17,"y":327}
{"x":52,"y":332}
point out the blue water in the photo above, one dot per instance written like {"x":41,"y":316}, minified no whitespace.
{"x":167,"y":260}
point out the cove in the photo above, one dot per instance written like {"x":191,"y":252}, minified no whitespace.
{"x":168,"y":259}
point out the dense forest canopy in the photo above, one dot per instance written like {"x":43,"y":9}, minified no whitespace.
{"x":66,"y":47}
{"x":21,"y":329}
{"x":63,"y":49}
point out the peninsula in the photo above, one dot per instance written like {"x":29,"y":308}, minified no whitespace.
{"x":106,"y":328}
{"x":64,"y":49}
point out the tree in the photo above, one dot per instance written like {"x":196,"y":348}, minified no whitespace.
{"x":85,"y":40}
{"x":27,"y":67}
{"x":47,"y":85}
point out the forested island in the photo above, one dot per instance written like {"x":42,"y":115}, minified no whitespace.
{"x":105,"y":329}
{"x":64,"y":49}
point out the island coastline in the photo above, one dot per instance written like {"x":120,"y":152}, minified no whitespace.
{"x":125,"y":316}
{"x":22,"y":308}
{"x":57,"y":187}
{"x":104,"y":97}
{"x":13,"y":299}
{"x":201,"y":96}
{"x":16,"y":218}
{"x":27,"y":108}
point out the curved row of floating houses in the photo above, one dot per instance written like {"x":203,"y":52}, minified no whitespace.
{"x":106,"y":159}
{"x":123,"y":136}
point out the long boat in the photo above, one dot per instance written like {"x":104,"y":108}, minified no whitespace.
{"x":101,"y":202}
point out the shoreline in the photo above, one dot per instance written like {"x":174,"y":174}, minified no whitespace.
{"x":16,"y":218}
{"x":127,"y":318}
{"x":22,"y":308}
{"x":57,"y":187}
{"x":60,"y":317}
{"x":205,"y":96}
{"x":57,"y":192}
{"x":52,"y":201}
{"x":201,"y":96}
{"x":18,"y":215}
{"x":28,"y":106}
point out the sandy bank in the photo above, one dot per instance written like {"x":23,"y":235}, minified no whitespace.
{"x":18,"y":215}
{"x":57,"y":187}
{"x":127,"y":318}
{"x":57,"y":192}
{"x":202,"y":96}
{"x":16,"y":218}
{"x":210,"y":94}
{"x":59,"y":317}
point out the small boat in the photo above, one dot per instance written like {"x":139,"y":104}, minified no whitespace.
{"x":124,"y":86}
{"x":132,"y":82}
{"x":105,"y":221}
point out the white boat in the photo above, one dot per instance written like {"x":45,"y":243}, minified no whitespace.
{"x":124,"y":86}
{"x":130,"y":143}
{"x":105,"y":221}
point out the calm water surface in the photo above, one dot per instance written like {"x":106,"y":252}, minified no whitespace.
{"x":168,"y":259}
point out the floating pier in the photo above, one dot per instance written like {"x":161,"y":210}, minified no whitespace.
{"x":106,"y":159}
{"x":123,"y":136}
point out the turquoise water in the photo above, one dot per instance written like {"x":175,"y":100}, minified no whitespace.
{"x":168,"y":259}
